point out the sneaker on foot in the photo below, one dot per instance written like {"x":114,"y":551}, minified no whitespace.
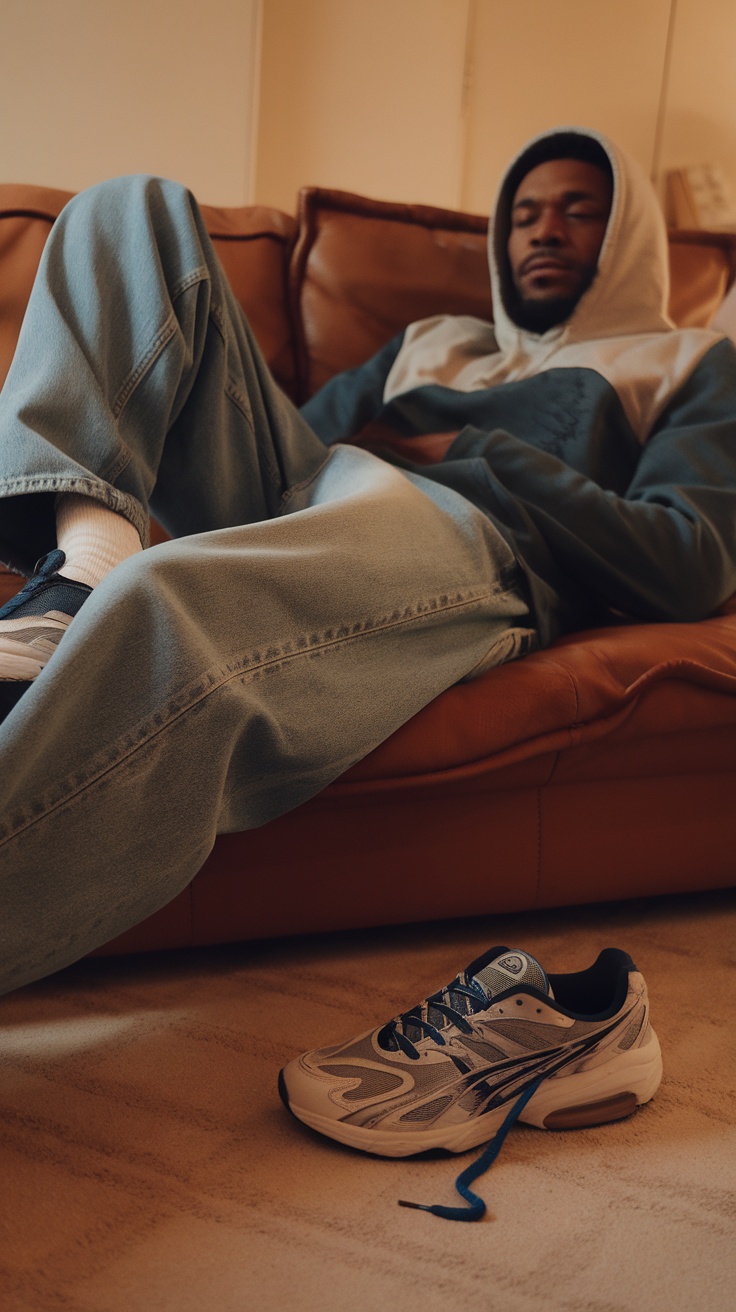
{"x":34,"y":621}
{"x":503,"y":1041}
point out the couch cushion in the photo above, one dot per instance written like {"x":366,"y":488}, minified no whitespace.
{"x":601,"y":768}
{"x":26,"y":215}
{"x":649,"y":686}
{"x":702,"y":268}
{"x":362,"y":270}
{"x":253,"y":244}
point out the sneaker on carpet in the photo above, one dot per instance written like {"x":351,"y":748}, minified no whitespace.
{"x":503,"y":1042}
{"x":34,"y":621}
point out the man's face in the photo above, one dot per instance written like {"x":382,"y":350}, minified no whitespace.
{"x":559,"y":215}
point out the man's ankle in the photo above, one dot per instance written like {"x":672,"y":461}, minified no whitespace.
{"x":93,"y":538}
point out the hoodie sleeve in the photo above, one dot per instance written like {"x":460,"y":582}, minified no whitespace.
{"x":343,"y":407}
{"x":666,"y":548}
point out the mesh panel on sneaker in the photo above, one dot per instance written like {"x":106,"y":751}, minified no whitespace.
{"x":34,"y":632}
{"x":428,"y":1111}
{"x":47,"y":591}
{"x":532,"y":1036}
{"x":632,"y":1033}
{"x":528,"y":1035}
{"x":358,"y":1049}
{"x":372,"y":1082}
{"x":495,"y":972}
{"x":58,"y":595}
{"x":487,"y":1051}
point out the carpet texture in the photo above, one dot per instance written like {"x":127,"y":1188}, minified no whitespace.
{"x":147,"y":1165}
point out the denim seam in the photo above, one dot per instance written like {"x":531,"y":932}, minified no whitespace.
{"x":111,"y":471}
{"x":160,"y":340}
{"x":233,"y":390}
{"x":248,"y":668}
{"x":294,"y":488}
{"x":200,"y":274}
{"x":104,"y":492}
{"x":240,"y":400}
{"x":218,"y":318}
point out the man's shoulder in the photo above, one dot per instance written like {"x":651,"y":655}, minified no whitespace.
{"x":645,"y":369}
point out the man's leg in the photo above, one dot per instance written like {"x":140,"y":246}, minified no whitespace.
{"x":216,"y":681}
{"x":137,"y":382}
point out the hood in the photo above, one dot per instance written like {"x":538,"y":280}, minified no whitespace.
{"x":630,"y":292}
{"x":619,"y":327}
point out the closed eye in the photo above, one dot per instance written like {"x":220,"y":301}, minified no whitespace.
{"x":594,"y":215}
{"x":522,"y":218}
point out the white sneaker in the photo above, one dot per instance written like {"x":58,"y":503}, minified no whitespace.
{"x":504,"y":1041}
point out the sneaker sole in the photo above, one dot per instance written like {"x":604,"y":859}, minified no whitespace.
{"x":595,"y":1097}
{"x":25,"y":658}
{"x":14,"y":667}
{"x":21,"y":664}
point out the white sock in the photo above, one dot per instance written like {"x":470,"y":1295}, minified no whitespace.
{"x":93,"y":538}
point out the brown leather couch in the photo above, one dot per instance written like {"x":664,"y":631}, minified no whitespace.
{"x":602,"y":768}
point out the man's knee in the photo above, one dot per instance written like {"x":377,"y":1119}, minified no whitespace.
{"x":115,"y":201}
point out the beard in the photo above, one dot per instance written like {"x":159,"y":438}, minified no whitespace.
{"x":538,"y":315}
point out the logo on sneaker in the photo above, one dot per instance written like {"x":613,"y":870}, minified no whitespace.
{"x":514,"y":963}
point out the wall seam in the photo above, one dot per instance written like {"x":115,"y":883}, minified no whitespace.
{"x":255,"y":102}
{"x":466,"y":97}
{"x":663,"y":91}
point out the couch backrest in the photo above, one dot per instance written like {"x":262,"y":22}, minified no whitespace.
{"x":327,"y":289}
{"x":254,"y":244}
{"x":362,"y":270}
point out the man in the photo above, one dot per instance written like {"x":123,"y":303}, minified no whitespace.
{"x":316,"y":596}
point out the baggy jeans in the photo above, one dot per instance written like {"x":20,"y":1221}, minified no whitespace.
{"x":310,"y":602}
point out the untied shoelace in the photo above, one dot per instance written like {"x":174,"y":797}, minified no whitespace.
{"x":477,"y":1207}
{"x":393,"y":1031}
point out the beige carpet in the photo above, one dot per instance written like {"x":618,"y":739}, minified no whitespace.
{"x":146,"y":1162}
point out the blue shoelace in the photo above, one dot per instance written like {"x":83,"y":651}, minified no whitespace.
{"x":395,"y":1034}
{"x":477,"y":1208}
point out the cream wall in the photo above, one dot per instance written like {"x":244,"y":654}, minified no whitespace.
{"x":700,"y":124}
{"x":93,"y":88}
{"x":365,"y":95}
{"x":421,"y":100}
{"x":425,"y":100}
{"x":539,"y":63}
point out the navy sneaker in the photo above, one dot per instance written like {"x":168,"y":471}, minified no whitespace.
{"x":32,"y":625}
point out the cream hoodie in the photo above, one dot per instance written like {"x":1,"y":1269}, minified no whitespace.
{"x":620,"y":327}
{"x":604,"y":450}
